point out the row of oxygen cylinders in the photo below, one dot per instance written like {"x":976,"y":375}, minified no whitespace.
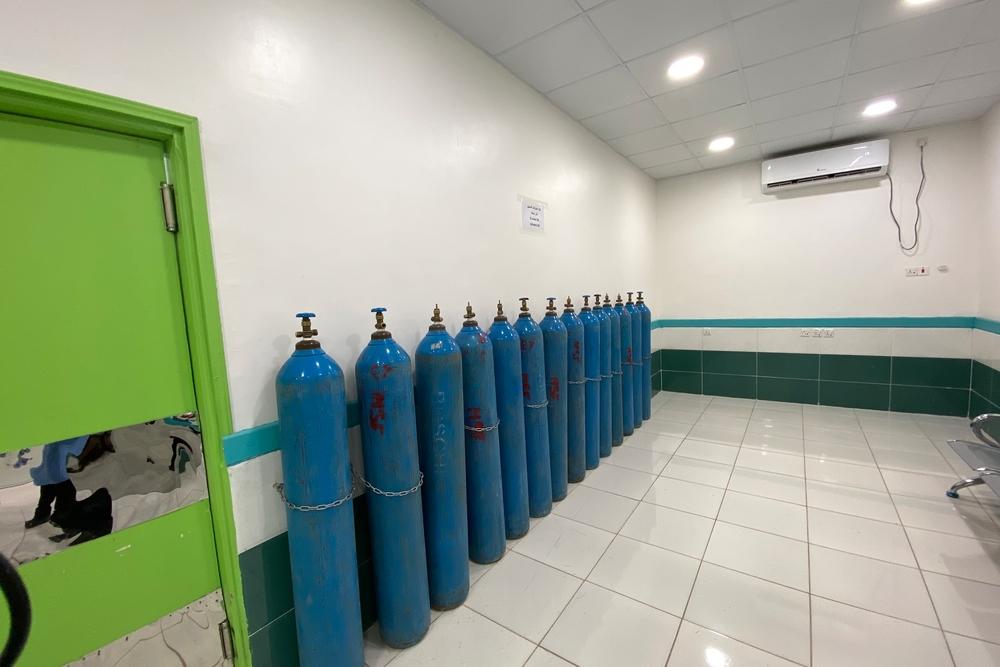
{"x":458,"y":454}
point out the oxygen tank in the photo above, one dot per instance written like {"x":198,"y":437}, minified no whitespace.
{"x":393,"y":480}
{"x":536,"y":417}
{"x":554,"y":337}
{"x":628,"y":415}
{"x":617,"y":433}
{"x":605,"y":383}
{"x":510,"y":407}
{"x":576,"y":380}
{"x":592,"y":370}
{"x":487,"y":541}
{"x":312,"y":427}
{"x":647,"y":357}
{"x":636,"y":320}
{"x":442,"y":459}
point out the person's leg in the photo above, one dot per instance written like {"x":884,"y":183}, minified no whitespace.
{"x":46,"y":494}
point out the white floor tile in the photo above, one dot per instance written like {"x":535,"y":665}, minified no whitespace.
{"x":725,"y":436}
{"x":775,"y":429}
{"x":464,"y":638}
{"x":700,"y":472}
{"x":865,"y":537}
{"x":542,"y":658}
{"x":850,"y":637}
{"x":615,"y":479}
{"x":722,"y":421}
{"x":956,"y":556}
{"x":763,"y":555}
{"x":846,"y":474}
{"x":779,"y":406}
{"x":770,"y":516}
{"x":708,"y":451}
{"x":773,"y":443}
{"x":871,"y":584}
{"x":663,"y":527}
{"x":969,"y":652}
{"x":760,"y":459}
{"x":477,"y":570}
{"x":966,"y":607}
{"x":849,"y":500}
{"x":642,"y":460}
{"x":564,"y":544}
{"x":523,"y":595}
{"x":601,"y":628}
{"x":892,"y":426}
{"x":685,"y":496}
{"x":835,"y":436}
{"x":660,"y":578}
{"x":958,"y":517}
{"x":653,"y":442}
{"x":930,"y":463}
{"x":593,"y":507}
{"x":839,"y":422}
{"x":377,"y":653}
{"x":841,"y":453}
{"x":771,"y":617}
{"x":669,"y":427}
{"x":768,"y":484}
{"x":725,"y":410}
{"x":700,"y":647}
{"x":903,"y":443}
{"x":776,"y":416}
{"x":917,"y":484}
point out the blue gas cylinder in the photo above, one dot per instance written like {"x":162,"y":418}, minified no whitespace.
{"x":536,"y":417}
{"x":605,"y":384}
{"x":592,"y":370}
{"x":312,"y":427}
{"x":441,"y":439}
{"x":647,"y":357}
{"x":617,"y":433}
{"x":393,"y":480}
{"x":510,"y":407}
{"x":576,"y":379}
{"x":628,"y":415}
{"x":487,"y":534}
{"x":636,"y":319}
{"x":554,"y":338}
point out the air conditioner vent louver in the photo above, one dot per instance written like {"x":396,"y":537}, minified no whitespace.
{"x":843,"y":163}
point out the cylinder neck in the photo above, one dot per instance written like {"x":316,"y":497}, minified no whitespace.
{"x":568,"y":307}
{"x":437,"y":322}
{"x":639,"y":300}
{"x":629,"y":296}
{"x":550,"y":310}
{"x":524,"y":307}
{"x":306,"y":333}
{"x":586,"y":304}
{"x":500,"y":316}
{"x":381,"y":333}
{"x":469,"y":317}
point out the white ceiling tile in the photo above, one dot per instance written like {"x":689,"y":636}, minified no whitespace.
{"x":987,"y":25}
{"x":799,"y":143}
{"x":701,"y":98}
{"x":951,"y":113}
{"x":878,"y":13}
{"x":794,"y":102}
{"x":788,"y":127}
{"x":637,"y":27}
{"x":674,"y":169}
{"x":906,"y":100}
{"x":714,"y":123}
{"x":974,"y":59}
{"x":740,"y":8}
{"x":661,"y":156}
{"x":804,"y":68}
{"x":714,"y":46}
{"x":732,"y":156}
{"x":970,"y":87}
{"x":793,"y":27}
{"x":742,"y":137}
{"x":872,"y":127}
{"x":598,"y":93}
{"x":588,"y":4}
{"x":658,"y":137}
{"x":927,"y":34}
{"x":566,"y":53}
{"x":495,"y":26}
{"x":627,"y":120}
{"x":888,"y":79}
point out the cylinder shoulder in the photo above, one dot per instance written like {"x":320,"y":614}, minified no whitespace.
{"x":552,"y":325}
{"x":437,"y":343}
{"x":382,"y":352}
{"x":301,"y":367}
{"x":503,"y":331}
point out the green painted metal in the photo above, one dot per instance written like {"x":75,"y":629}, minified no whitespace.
{"x":85,"y":592}
{"x":179,"y":135}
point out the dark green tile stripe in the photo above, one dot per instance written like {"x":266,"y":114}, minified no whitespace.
{"x":730,"y":363}
{"x":788,"y":390}
{"x":929,"y":372}
{"x":785,"y":365}
{"x":736,"y":386}
{"x":855,"y":368}
{"x":276,"y":645}
{"x":934,"y":400}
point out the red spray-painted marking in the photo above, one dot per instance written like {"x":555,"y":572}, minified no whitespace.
{"x":554,"y":389}
{"x":475,"y":416}
{"x":527,"y":343}
{"x":376,"y":413}
{"x":525,"y":386}
{"x":628,"y":354}
{"x":379,"y":371}
{"x":577,"y":354}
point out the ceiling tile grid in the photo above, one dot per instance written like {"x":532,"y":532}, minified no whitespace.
{"x":779,"y":75}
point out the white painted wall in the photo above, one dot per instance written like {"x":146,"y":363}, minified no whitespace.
{"x":989,"y":243}
{"x":356,"y":154}
{"x":724,"y":250}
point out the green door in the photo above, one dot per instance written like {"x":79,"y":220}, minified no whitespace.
{"x":94,"y":339}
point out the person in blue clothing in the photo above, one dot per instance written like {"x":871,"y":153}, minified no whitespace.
{"x":53,"y":480}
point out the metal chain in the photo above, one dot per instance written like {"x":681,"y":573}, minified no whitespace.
{"x":393,"y":494}
{"x":583,"y":381}
{"x":608,"y":376}
{"x":482,"y":429}
{"x":280,"y":488}
{"x":616,"y":372}
{"x":537,"y":405}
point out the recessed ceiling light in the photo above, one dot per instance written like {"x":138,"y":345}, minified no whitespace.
{"x":721,"y":144}
{"x":685,"y":68}
{"x":879,"y":108}
{"x":918,"y":2}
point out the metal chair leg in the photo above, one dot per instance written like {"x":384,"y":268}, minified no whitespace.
{"x":953,"y":490}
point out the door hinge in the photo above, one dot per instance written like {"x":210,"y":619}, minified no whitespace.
{"x":226,"y":639}
{"x":169,"y":211}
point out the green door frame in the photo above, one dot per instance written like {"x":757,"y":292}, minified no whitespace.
{"x":26,"y":96}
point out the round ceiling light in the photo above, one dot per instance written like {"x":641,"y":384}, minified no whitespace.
{"x":879,"y":108}
{"x":685,"y":68}
{"x":721,"y":144}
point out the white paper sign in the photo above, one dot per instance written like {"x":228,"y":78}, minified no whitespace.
{"x":532,"y":215}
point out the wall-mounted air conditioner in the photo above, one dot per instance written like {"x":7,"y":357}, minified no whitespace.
{"x":832,"y":165}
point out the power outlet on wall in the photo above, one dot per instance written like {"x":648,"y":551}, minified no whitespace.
{"x":916,"y":271}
